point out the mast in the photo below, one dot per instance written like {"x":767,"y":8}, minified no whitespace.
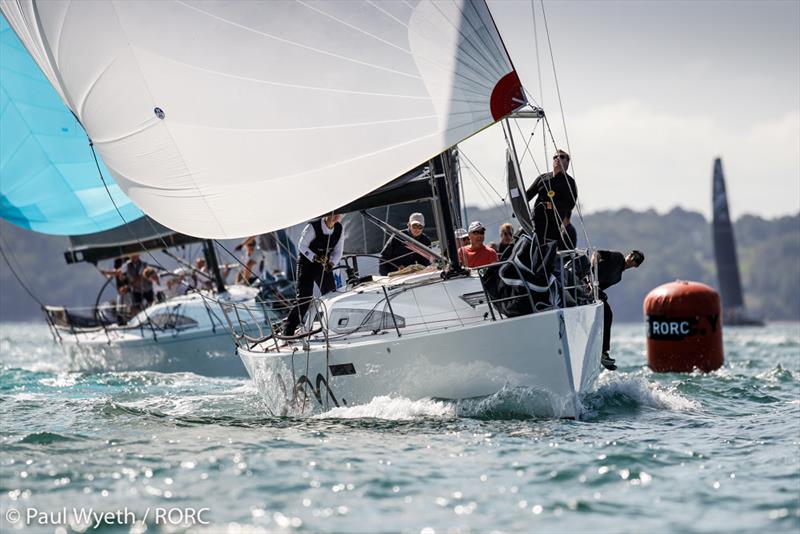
{"x":213,"y":264}
{"x":442,"y":176}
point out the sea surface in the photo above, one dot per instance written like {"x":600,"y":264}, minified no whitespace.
{"x":174,"y":452}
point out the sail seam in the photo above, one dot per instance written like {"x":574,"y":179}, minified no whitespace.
{"x":166,"y":127}
{"x":299,"y":45}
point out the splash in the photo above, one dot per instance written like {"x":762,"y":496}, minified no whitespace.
{"x":393,"y":409}
{"x":520,"y":402}
{"x":623,"y":390}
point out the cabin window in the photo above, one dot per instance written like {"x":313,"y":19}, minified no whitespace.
{"x":348,"y":320}
{"x":172,"y":320}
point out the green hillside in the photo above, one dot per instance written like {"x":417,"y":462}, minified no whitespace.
{"x":677,"y":245}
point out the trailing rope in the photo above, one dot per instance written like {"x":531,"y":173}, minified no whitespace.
{"x":16,"y":275}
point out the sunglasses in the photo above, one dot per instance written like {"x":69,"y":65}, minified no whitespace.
{"x":561,"y":157}
{"x":481,"y":231}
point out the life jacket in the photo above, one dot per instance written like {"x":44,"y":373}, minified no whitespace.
{"x":322,"y":244}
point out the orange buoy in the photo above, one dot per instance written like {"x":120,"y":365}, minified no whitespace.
{"x":684,"y":330}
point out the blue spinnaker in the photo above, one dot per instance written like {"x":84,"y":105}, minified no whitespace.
{"x":49,"y":182}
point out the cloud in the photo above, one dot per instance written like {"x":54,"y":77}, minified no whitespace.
{"x":633,"y":155}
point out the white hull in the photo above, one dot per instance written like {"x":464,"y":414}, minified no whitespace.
{"x":556,"y":353}
{"x":200,"y":352}
{"x":200,"y":343}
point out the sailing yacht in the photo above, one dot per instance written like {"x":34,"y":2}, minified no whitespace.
{"x":183,"y":332}
{"x":234,"y":119}
{"x":734,"y":312}
{"x":52,"y":183}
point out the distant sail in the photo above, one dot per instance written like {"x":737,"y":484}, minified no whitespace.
{"x":734,"y":311}
{"x":725,"y":245}
{"x":228,"y":119}
{"x":49,"y":179}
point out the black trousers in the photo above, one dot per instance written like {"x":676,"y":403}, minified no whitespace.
{"x":142,"y":299}
{"x":608,"y":318}
{"x":308,"y":275}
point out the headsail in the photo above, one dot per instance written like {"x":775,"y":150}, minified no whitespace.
{"x":49,"y":183}
{"x":235,"y":118}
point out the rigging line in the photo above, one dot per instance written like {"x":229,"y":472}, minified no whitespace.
{"x":507,"y":133}
{"x":240,"y":262}
{"x":477,"y":170}
{"x":555,"y":75}
{"x":563,"y":123}
{"x":528,"y":144}
{"x":122,"y":217}
{"x":536,"y":46}
{"x":485,"y":194}
{"x":17,"y":276}
{"x":572,"y":193}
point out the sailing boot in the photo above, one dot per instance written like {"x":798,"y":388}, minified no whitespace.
{"x":608,"y":362}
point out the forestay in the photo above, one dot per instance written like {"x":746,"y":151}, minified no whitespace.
{"x":50,"y":182}
{"x":225,"y":119}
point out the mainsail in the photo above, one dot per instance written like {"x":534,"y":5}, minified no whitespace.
{"x":50,"y":182}
{"x":227,"y":119}
{"x":724,"y":245}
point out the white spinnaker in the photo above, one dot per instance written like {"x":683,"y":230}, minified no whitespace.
{"x":273,"y":112}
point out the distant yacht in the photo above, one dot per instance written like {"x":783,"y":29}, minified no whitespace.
{"x":734,"y":312}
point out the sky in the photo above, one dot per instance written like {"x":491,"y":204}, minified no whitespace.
{"x":652,"y":92}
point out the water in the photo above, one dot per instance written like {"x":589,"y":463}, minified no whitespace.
{"x":717,"y":452}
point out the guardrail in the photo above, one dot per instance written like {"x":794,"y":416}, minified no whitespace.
{"x":248,"y":334}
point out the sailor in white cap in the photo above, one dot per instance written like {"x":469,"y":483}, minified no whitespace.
{"x":476,"y":254}
{"x":462,"y":237}
{"x":396,"y":254}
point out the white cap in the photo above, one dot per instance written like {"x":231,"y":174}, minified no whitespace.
{"x":461,"y":233}
{"x":417,"y":218}
{"x":474,"y":226}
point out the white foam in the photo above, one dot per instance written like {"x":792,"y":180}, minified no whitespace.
{"x":393,"y":409}
{"x":643,"y":392}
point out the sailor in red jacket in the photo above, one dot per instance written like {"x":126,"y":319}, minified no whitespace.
{"x":476,"y":254}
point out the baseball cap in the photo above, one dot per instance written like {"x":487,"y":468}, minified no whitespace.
{"x":476,"y":226}
{"x":461,"y":233}
{"x":417,"y":218}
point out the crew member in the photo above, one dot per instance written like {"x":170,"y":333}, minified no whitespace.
{"x":610,"y":266}
{"x":252,"y":261}
{"x":321,"y":245}
{"x":476,"y":254}
{"x":140,"y":287}
{"x":506,"y":239}
{"x":556,"y":195}
{"x":462,"y":237}
{"x":397,"y":253}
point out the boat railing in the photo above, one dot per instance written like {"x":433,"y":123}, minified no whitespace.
{"x":111,"y":321}
{"x":248,"y":333}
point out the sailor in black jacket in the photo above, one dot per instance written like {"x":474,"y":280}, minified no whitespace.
{"x":321,"y":245}
{"x":396,"y":254}
{"x":556,"y":195}
{"x":610,"y":266}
